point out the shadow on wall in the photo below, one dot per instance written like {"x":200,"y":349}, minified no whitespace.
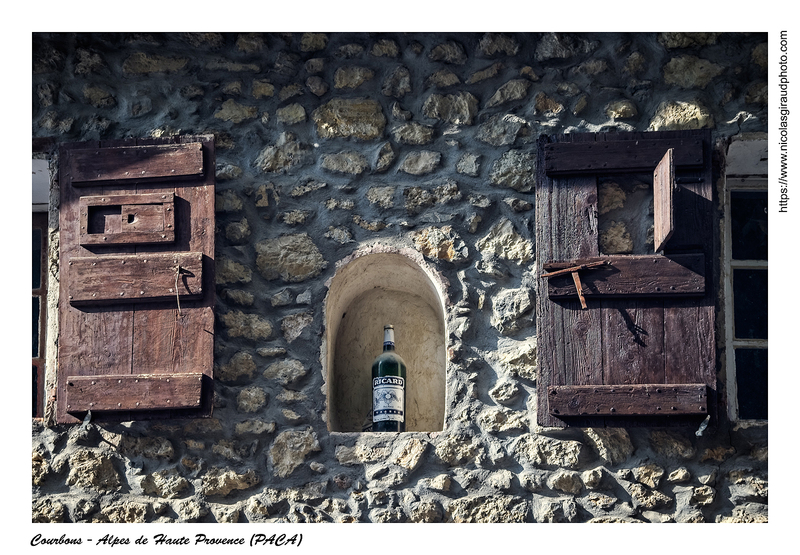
{"x":366,"y":293}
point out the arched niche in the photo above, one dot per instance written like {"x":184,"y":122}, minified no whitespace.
{"x":366,"y":293}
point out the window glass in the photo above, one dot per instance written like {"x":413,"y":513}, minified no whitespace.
{"x":35,"y":327}
{"x":751,"y":381}
{"x":37,"y":258}
{"x":750,"y":304}
{"x":749,"y":225}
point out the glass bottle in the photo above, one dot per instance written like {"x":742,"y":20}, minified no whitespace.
{"x":388,"y":388}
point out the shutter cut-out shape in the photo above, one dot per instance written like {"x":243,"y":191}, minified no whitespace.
{"x":636,"y":346}
{"x":127,"y":219}
{"x":136,"y":310}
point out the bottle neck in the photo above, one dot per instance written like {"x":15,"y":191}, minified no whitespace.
{"x":388,"y":339}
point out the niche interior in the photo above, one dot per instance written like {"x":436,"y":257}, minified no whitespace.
{"x":367,"y":292}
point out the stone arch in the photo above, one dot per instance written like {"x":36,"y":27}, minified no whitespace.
{"x":369,"y":289}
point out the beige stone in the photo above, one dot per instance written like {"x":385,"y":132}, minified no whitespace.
{"x":483,"y":509}
{"x":139,"y":62}
{"x":613,"y":445}
{"x":124,"y":513}
{"x":690,"y":72}
{"x":505,"y":242}
{"x":616,"y":239}
{"x":167,"y":483}
{"x":548,"y":451}
{"x":458,"y":109}
{"x":359,"y":118}
{"x":516,"y":89}
{"x":566,"y":481}
{"x":285,"y":154}
{"x":440,"y":243}
{"x":411,"y":454}
{"x":250,"y":326}
{"x":93,"y":470}
{"x":291,"y":114}
{"x":351,"y":77}
{"x":289,"y":450}
{"x":234,"y":112}
{"x":349,"y":162}
{"x":241,"y":365}
{"x":515,"y":169}
{"x":621,"y":109}
{"x":285,"y":372}
{"x":420,"y":162}
{"x":649,"y":475}
{"x":222,"y":481}
{"x":676,"y":115}
{"x":292,"y":258}
{"x":228,"y":271}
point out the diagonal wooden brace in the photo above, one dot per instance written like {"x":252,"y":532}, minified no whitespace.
{"x":576,"y":279}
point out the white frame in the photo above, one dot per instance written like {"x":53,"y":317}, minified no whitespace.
{"x":747,"y":183}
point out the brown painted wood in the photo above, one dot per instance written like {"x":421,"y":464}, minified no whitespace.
{"x":133,"y":278}
{"x":663,"y":187}
{"x":127,"y":219}
{"x":181,"y":341}
{"x":91,"y":165}
{"x":159,"y":336}
{"x":633,"y":341}
{"x":610,"y":155}
{"x":567,"y":343}
{"x":133,"y":392}
{"x":632,"y":276}
{"x":642,"y":327}
{"x":627,"y":400}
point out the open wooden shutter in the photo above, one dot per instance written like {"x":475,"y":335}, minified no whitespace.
{"x":625,"y":340}
{"x":136,"y":269}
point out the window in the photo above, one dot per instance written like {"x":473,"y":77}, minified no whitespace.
{"x":625,"y":339}
{"x":136,"y":287}
{"x":745,"y":284}
{"x":39,"y":290}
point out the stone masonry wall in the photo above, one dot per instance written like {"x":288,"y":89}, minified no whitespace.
{"x":332,"y":142}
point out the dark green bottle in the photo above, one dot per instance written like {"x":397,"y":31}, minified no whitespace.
{"x":388,"y":388}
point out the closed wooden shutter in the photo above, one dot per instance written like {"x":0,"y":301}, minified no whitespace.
{"x":625,"y":340}
{"x":136,"y":299}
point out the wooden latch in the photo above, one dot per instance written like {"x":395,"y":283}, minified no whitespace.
{"x":575,"y":277}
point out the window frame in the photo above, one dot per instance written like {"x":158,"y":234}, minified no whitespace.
{"x":39,"y":221}
{"x":752,"y":183}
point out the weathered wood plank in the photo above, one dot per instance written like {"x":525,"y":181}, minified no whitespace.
{"x":620,"y":156}
{"x":133,"y":278}
{"x":633,"y":341}
{"x":159,"y":337}
{"x":663,"y":187}
{"x":129,"y":219}
{"x":629,"y":400}
{"x":179,"y":340}
{"x":633,"y":324}
{"x":632,"y":276}
{"x":133,"y":392}
{"x":91,"y":165}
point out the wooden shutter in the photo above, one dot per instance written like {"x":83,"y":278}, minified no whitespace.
{"x":136,"y":270}
{"x":625,"y":340}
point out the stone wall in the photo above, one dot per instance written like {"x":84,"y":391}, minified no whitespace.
{"x":332,"y":144}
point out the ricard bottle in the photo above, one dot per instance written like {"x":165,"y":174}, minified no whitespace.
{"x":388,"y":388}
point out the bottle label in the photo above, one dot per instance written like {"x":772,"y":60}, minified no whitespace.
{"x":388,"y":394}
